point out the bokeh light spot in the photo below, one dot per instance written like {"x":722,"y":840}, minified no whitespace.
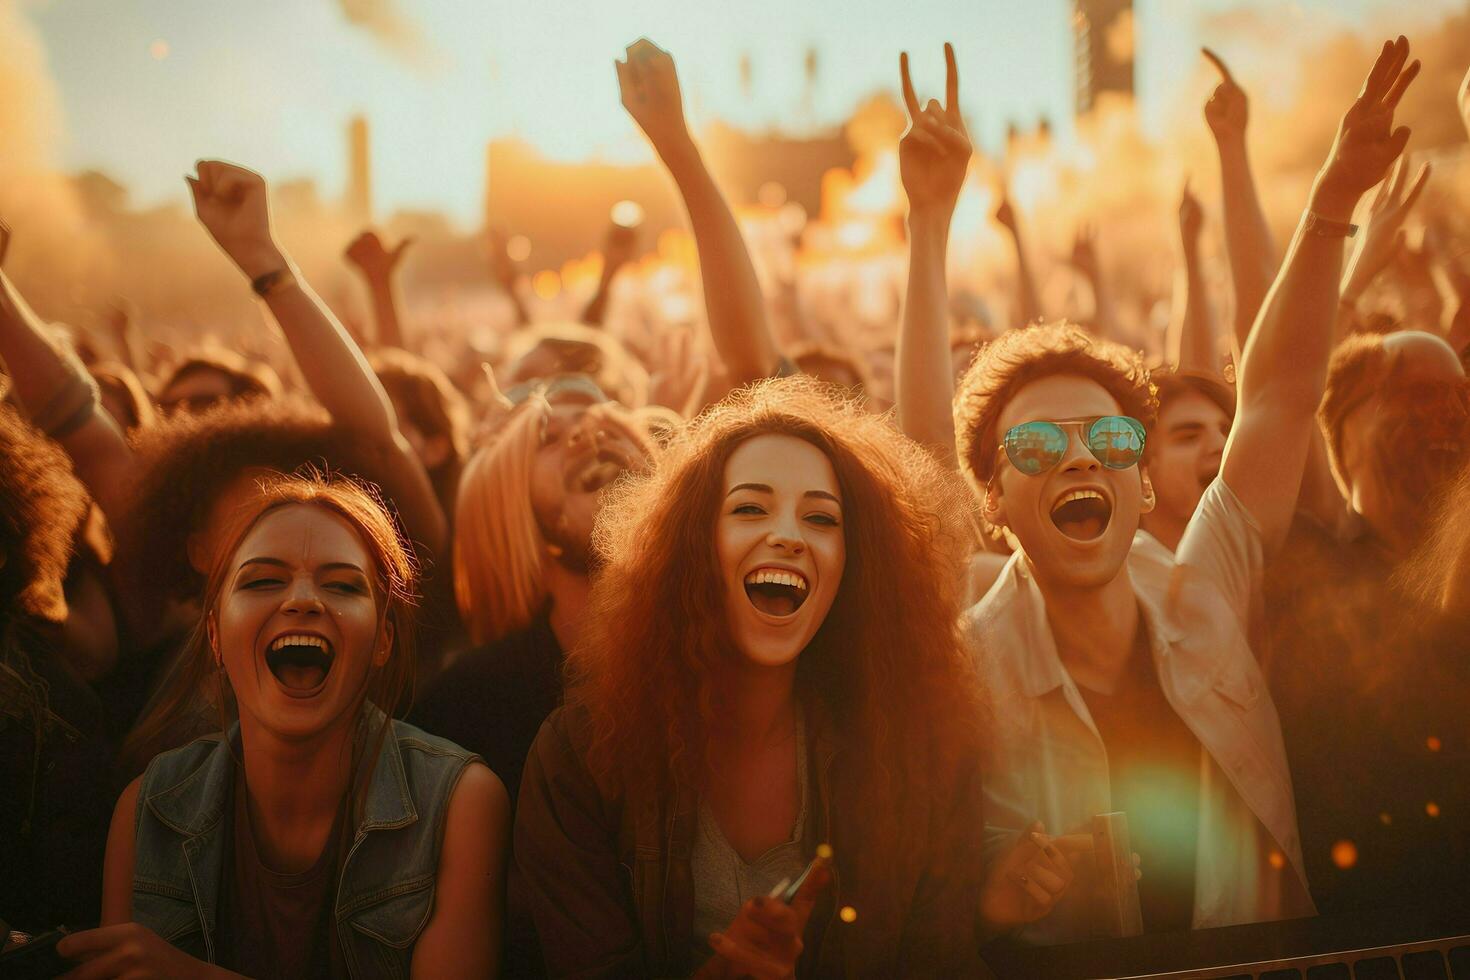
{"x":518,"y":248}
{"x":1432,"y":808}
{"x":848,"y":914}
{"x":1277,"y":859}
{"x":546,"y":284}
{"x":1344,"y":854}
{"x":1385,"y":819}
{"x":1434,"y":743}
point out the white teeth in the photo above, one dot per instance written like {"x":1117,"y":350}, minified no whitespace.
{"x":1078,"y":495}
{"x":774,"y":576}
{"x":298,"y":640}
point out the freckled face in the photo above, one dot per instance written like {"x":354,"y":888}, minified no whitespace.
{"x":780,"y":544}
{"x":298,"y":622}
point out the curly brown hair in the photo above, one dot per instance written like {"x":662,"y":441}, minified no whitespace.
{"x":892,"y":676}
{"x":41,"y":507}
{"x":1017,"y":358}
{"x":186,"y":461}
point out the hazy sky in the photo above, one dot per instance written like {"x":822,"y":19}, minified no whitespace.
{"x":147,"y":86}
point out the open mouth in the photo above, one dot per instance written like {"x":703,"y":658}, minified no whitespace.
{"x":300,"y":661}
{"x":776,"y":591}
{"x":1082,"y":515}
{"x":601,"y":470}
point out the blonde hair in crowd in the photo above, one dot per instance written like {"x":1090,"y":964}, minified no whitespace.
{"x":498,"y":548}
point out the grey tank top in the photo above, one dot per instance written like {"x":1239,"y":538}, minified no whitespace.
{"x":723,"y":881}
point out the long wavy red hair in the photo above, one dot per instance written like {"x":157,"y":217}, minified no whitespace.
{"x":887,"y":666}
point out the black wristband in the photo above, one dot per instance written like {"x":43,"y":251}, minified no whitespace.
{"x":264,"y":284}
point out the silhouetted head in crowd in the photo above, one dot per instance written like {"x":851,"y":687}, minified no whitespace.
{"x":123,"y":395}
{"x":1185,"y":446}
{"x":529,"y":495}
{"x":432,"y":415}
{"x":830,"y":365}
{"x":208,"y":377}
{"x":548,"y":350}
{"x":1076,"y":507}
{"x":1396,"y":417}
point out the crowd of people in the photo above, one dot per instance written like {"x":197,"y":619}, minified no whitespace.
{"x":621,"y":660}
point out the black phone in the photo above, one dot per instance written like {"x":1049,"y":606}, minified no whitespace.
{"x":35,"y":960}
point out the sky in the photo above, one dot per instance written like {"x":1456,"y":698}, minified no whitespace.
{"x":145,"y":87}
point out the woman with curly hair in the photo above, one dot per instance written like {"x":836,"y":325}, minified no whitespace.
{"x":771,"y":662}
{"x":53,"y":755}
{"x":311,"y":834}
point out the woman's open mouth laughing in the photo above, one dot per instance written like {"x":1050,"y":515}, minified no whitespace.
{"x":777,"y":592}
{"x":301,"y":662}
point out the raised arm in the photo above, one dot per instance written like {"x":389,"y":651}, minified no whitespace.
{"x":378,"y":266}
{"x":59,"y":396}
{"x":1005,"y":216}
{"x":1191,"y":342}
{"x":231,"y":204}
{"x":1084,"y":259}
{"x":617,"y":251}
{"x":1247,"y":237}
{"x":1284,"y":368}
{"x":732,"y":294}
{"x":1382,"y":235}
{"x":933,"y":157}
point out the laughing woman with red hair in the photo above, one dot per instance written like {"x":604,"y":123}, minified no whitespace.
{"x":771,"y":663}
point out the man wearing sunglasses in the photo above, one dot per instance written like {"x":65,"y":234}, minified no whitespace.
{"x":1120,"y":673}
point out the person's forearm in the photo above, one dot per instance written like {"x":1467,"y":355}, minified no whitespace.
{"x":1284,"y":365}
{"x":923,"y":374}
{"x":1191,"y":342}
{"x":388,"y":329}
{"x":732,"y":294}
{"x":596,"y":309}
{"x":341,"y":379}
{"x":1102,"y":307}
{"x":1247,"y":238}
{"x":40,"y":373}
{"x":1025,"y":282}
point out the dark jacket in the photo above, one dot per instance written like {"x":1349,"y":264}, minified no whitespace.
{"x":608,"y":880}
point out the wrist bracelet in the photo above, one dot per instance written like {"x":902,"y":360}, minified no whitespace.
{"x":1327,"y":228}
{"x":264,"y":285}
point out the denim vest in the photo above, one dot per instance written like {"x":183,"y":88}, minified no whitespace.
{"x":386,"y":892}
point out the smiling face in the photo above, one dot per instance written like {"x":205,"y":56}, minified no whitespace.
{"x":781,"y":546}
{"x":298,"y":625}
{"x":584,"y":447}
{"x":1185,"y":449}
{"x":1076,"y":521}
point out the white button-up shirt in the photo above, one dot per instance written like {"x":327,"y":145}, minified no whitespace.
{"x":1051,"y":764}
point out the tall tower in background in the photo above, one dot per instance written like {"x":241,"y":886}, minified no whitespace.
{"x":360,"y":174}
{"x":1103,"y":35}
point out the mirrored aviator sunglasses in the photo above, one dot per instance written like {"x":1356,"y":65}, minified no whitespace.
{"x":1035,"y":447}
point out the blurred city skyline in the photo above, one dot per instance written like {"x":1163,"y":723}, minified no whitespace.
{"x":140,"y":89}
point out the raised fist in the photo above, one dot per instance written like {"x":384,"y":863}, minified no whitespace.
{"x":230,"y":203}
{"x":649,"y":86}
